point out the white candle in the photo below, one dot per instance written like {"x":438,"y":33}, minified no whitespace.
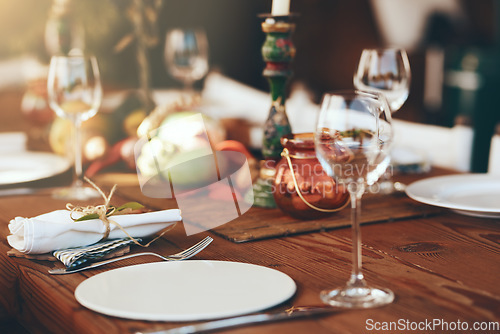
{"x":281,"y":7}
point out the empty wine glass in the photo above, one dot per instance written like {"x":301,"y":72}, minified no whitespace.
{"x":353,"y":138}
{"x":186,"y":55}
{"x":385,"y":71}
{"x":75,"y":93}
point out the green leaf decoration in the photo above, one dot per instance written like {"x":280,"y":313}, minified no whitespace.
{"x":131,"y":206}
{"x":88,"y":217}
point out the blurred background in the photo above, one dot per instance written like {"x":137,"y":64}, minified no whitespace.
{"x":453,"y":45}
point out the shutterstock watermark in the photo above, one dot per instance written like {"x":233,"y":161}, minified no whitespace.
{"x":437,"y":325}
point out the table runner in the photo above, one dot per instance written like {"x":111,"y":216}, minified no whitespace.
{"x":256,"y":223}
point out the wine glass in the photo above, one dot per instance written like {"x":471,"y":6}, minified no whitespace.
{"x":186,"y":55}
{"x":386,"y":71}
{"x":75,"y":93}
{"x":353,"y":138}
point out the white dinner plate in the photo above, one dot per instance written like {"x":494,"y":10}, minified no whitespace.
{"x":26,"y":166}
{"x":469,"y":194}
{"x":185,"y":290}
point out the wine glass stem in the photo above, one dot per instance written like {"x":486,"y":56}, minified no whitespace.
{"x":356,"y":192}
{"x":77,"y":141}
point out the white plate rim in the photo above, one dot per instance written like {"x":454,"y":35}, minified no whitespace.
{"x":413,"y":191}
{"x":287,"y":283}
{"x":58,"y":165}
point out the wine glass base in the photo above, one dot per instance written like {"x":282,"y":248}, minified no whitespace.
{"x":354,"y":297}
{"x":76,"y":193}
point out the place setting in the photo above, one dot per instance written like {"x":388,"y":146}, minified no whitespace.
{"x":155,"y":189}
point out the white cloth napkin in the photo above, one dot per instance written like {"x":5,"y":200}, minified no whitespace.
{"x":227,"y":98}
{"x":494,"y":160}
{"x":13,"y":142}
{"x":444,"y":147}
{"x":56,"y":230}
{"x":15,"y":72}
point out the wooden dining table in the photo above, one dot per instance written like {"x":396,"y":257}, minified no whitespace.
{"x":443,"y":267}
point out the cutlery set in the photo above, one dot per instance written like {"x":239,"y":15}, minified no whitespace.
{"x":184,"y":255}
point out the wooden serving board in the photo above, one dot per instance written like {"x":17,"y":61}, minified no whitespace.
{"x":259,"y":223}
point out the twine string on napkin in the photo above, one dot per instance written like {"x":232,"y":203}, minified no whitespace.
{"x":105,"y":210}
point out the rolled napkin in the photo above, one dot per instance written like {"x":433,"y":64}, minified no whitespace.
{"x":57,"y":230}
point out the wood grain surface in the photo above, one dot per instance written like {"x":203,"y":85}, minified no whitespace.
{"x":443,"y":266}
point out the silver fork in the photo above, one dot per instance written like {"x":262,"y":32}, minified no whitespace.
{"x":185,"y":254}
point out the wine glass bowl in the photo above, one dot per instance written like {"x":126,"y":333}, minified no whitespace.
{"x":353,"y":139}
{"x":186,"y":55}
{"x":75,"y":93}
{"x":385,"y":71}
{"x":351,"y":153}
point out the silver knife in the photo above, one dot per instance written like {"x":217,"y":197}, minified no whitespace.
{"x":291,"y":313}
{"x":26,"y":191}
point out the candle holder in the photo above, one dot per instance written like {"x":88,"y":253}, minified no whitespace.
{"x":278,"y":52}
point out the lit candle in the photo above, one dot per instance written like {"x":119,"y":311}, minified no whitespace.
{"x":281,"y":7}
